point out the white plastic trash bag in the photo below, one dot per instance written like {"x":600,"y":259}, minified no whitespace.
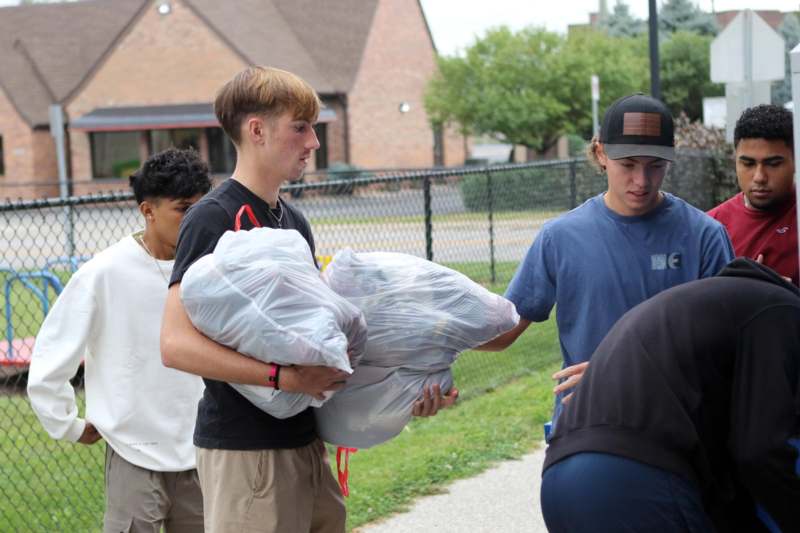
{"x":260,"y":294}
{"x":375,"y":405}
{"x":420,"y":314}
{"x":420,"y":317}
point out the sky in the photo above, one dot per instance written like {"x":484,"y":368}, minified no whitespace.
{"x":455,"y":23}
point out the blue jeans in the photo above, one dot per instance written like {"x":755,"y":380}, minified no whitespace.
{"x":597,"y":493}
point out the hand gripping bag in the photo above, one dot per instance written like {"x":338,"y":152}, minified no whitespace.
{"x":375,"y":405}
{"x":421,"y":316}
{"x":260,"y":294}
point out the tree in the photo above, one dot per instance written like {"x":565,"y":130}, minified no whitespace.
{"x":622,"y":65}
{"x":676,"y":15}
{"x":790,"y":30}
{"x":685,"y":73}
{"x":620,"y":23}
{"x":532,"y":86}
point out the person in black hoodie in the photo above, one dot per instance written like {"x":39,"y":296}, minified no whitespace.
{"x":688,"y":418}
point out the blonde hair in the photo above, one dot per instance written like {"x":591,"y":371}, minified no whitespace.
{"x":265,"y":91}
{"x":591,"y":154}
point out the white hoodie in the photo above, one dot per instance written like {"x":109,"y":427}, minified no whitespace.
{"x":109,"y":316}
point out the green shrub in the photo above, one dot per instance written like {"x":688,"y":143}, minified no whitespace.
{"x":123,"y":169}
{"x":518,"y":190}
{"x":342,"y":172}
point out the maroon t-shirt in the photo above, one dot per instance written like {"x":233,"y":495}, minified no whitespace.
{"x":771,"y":233}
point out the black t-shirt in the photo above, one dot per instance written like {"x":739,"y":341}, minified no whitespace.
{"x":702,"y":380}
{"x":225,"y":419}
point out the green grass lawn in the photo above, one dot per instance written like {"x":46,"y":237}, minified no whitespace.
{"x":463,"y":441}
{"x":46,"y":485}
{"x":54,"y":486}
{"x":27,"y":310}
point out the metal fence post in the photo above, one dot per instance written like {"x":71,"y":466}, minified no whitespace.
{"x":426,"y":194}
{"x":490,"y":197}
{"x":573,"y":184}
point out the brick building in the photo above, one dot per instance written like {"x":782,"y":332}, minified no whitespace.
{"x":136,"y":76}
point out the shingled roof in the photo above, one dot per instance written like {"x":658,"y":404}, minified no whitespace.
{"x":47,"y":51}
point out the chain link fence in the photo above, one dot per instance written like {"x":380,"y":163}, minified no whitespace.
{"x":478,"y":220}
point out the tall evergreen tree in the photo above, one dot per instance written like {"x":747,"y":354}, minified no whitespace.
{"x":684,"y":15}
{"x":620,"y":23}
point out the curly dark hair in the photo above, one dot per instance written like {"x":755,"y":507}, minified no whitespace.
{"x":766,"y":121}
{"x":171,"y":173}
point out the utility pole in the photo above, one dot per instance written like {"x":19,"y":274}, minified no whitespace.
{"x":655,"y":79}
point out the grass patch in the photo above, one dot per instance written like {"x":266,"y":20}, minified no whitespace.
{"x":47,"y":485}
{"x":457,"y":443}
{"x":27,"y":308}
{"x":56,"y":486}
{"x":481,"y":272}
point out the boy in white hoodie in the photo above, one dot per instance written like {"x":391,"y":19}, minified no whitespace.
{"x":109,"y":317}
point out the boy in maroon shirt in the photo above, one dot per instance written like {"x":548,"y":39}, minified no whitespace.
{"x":762,"y":219}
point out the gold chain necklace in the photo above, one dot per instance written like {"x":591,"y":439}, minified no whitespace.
{"x":140,"y":239}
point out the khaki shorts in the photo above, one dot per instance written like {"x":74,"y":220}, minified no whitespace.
{"x":142,"y":501}
{"x":270,"y":491}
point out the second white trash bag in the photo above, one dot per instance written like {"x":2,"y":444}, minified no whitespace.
{"x":421,"y":316}
{"x":260,"y":294}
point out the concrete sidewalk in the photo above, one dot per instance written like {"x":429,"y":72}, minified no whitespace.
{"x":504,"y":498}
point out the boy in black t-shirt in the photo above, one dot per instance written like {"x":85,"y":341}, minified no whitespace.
{"x":256,"y":471}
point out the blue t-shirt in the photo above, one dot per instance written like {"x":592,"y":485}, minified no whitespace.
{"x":596,"y":265}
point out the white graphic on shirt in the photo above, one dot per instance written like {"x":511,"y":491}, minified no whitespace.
{"x":782,"y":230}
{"x":665,"y":261}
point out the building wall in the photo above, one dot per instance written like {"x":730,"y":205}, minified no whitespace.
{"x":164,"y":59}
{"x":28,"y":157}
{"x":398,"y":61}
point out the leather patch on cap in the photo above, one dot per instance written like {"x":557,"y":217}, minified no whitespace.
{"x":646,"y":124}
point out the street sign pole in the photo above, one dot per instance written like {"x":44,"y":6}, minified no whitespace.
{"x":747,"y":45}
{"x":595,"y":100}
{"x":795,"y":62}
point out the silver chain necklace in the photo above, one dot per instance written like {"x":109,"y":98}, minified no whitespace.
{"x":278,"y":219}
{"x":140,"y":239}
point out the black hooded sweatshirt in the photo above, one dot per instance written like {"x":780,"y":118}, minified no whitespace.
{"x":702,"y":380}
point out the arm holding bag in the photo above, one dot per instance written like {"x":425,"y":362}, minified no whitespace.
{"x":260,"y":294}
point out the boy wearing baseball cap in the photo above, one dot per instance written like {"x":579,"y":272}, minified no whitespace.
{"x":618,"y":248}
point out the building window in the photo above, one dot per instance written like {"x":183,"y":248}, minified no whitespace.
{"x":221,"y":152}
{"x":181,"y":139}
{"x":321,"y":157}
{"x":2,"y":158}
{"x":115,"y":154}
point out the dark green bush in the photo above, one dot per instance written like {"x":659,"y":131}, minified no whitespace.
{"x":519,"y":190}
{"x":343,"y":173}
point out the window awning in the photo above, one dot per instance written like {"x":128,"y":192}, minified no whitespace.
{"x":162,"y":117}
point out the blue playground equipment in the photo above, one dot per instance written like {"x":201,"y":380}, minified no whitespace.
{"x":39,"y":283}
{"x":73,"y":262}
